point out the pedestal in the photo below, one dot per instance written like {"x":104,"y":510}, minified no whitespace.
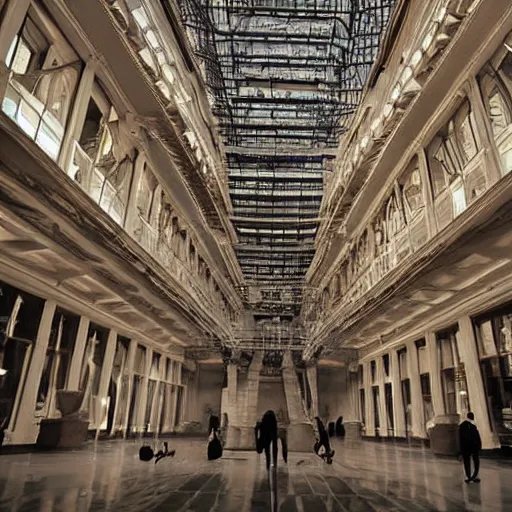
{"x":62,"y":433}
{"x":352,"y":431}
{"x":444,"y":436}
{"x":247,"y":439}
{"x":232,"y":438}
{"x":300,"y":437}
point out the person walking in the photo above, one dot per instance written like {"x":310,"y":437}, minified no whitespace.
{"x":322,"y":440}
{"x":266,"y":435}
{"x":470,"y":446}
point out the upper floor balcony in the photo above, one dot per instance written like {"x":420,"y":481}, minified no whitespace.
{"x":71,"y":109}
{"x":459,"y":175}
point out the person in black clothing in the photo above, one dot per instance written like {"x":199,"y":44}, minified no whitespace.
{"x":266,"y":434}
{"x":340,"y":428}
{"x":323,"y":440}
{"x":214,"y":424}
{"x":470,"y":446}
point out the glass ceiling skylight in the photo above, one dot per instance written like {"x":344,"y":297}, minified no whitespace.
{"x":284,"y":78}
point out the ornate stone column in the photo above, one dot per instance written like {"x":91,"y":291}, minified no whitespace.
{"x":398,"y":402}
{"x":249,"y":401}
{"x":141,"y":411}
{"x":102,"y":404}
{"x":130,"y":361}
{"x":312,"y":380}
{"x":383,"y":413}
{"x":300,"y":430}
{"x":413,"y":369}
{"x":352,"y":416}
{"x":25,"y":428}
{"x":233,"y":432}
{"x":468,"y":351}
{"x":75,"y":367}
{"x":368,"y":402}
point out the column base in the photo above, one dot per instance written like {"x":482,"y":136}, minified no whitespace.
{"x":300,"y":437}
{"x":352,"y":430}
{"x":62,"y":433}
{"x":240,"y":438}
{"x":444,"y":435}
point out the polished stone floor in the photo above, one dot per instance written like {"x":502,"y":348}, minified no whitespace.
{"x":365,"y":477}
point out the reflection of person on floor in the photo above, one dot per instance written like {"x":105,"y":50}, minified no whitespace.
{"x":470,"y":446}
{"x":322,"y":439}
{"x":266,"y":433}
{"x":146,"y":453}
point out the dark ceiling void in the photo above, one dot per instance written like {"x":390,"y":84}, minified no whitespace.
{"x":284,"y":78}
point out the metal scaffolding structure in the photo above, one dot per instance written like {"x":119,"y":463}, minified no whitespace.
{"x":284,"y":79}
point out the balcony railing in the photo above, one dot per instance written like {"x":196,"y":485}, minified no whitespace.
{"x":448,"y":204}
{"x":161,"y":249}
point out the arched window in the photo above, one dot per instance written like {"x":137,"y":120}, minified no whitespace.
{"x":412,"y":191}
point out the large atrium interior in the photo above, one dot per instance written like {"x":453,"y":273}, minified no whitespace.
{"x":211,"y":209}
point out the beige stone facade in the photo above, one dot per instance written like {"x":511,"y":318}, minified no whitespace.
{"x":127,"y":268}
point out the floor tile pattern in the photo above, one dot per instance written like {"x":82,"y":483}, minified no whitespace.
{"x":365,"y":477}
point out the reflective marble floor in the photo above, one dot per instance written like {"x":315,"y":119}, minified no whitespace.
{"x":365,"y":477}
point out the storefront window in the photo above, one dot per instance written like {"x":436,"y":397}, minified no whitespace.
{"x":376,"y":406}
{"x":57,"y":362}
{"x":20,"y":314}
{"x":495,"y":348}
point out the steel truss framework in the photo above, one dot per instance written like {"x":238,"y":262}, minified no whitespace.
{"x":284,"y":78}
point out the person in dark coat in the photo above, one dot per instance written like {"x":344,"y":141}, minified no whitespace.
{"x":470,"y":446}
{"x":340,"y":428}
{"x":322,"y":439}
{"x":266,"y":436}
{"x":214,"y":443}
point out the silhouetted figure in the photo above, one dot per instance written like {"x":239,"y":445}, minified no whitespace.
{"x":340,"y":428}
{"x":331,"y":429}
{"x":322,"y":439}
{"x":214,"y":424}
{"x":470,"y":446}
{"x":266,"y":433}
{"x":146,"y":453}
{"x":214,"y":445}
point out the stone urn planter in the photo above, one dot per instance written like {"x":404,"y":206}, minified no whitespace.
{"x":69,"y":402}
{"x":69,"y":431}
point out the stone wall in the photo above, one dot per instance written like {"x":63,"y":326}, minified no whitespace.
{"x":332,"y":393}
{"x":271,"y":396}
{"x":205,"y":392}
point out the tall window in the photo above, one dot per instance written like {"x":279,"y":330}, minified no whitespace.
{"x":455,"y":183}
{"x":448,"y":361}
{"x":20,"y":314}
{"x":57,"y":362}
{"x":496,"y":84}
{"x":45,"y":75}
{"x":102,"y":161}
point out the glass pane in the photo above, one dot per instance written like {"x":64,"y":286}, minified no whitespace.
{"x":11,"y":102}
{"x":48,"y":141}
{"x":28,"y":119}
{"x":97,"y":180}
{"x":459,"y":200}
{"x":22,"y":58}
